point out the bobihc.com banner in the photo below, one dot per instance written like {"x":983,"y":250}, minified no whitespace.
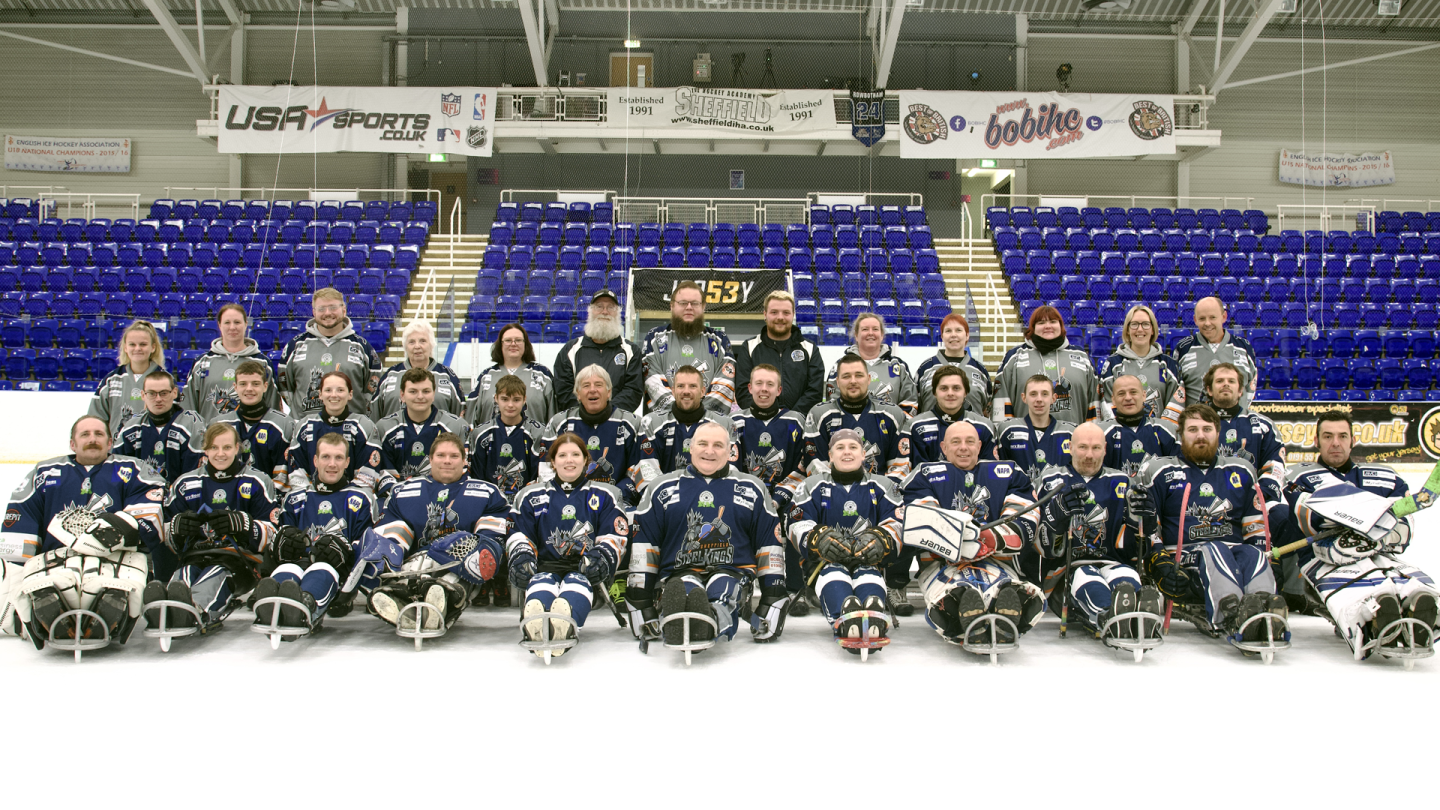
{"x":1034,"y":125}
{"x":270,"y":120}
{"x":704,"y":109}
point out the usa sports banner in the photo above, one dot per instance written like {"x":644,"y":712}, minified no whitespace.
{"x":28,"y":153}
{"x":704,"y":109}
{"x":270,"y":120}
{"x":1344,"y":170}
{"x":1034,"y":125}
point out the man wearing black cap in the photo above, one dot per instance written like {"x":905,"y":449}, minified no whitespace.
{"x":602,"y":345}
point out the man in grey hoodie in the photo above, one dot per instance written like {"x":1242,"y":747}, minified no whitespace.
{"x":327,"y":344}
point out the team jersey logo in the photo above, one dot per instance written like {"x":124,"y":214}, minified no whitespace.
{"x":568,"y":513}
{"x":706,"y":500}
{"x":849,"y":510}
{"x":574,"y":541}
{"x":219,"y":496}
{"x":764,"y":440}
{"x":325,"y":508}
{"x":707,"y":543}
{"x":1207,"y":491}
{"x":1208,"y":522}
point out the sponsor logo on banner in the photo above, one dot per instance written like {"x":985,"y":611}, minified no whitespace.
{"x":924,"y":125}
{"x":1385,"y":432}
{"x":479,"y":106}
{"x":867,"y":116}
{"x":449,"y":104}
{"x":1150,"y":121}
{"x":942,"y":124}
{"x":730,"y":110}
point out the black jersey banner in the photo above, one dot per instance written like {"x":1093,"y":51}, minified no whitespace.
{"x":739,"y":292}
{"x":1385,"y":432}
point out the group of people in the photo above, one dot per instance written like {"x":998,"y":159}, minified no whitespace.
{"x":698,"y":487}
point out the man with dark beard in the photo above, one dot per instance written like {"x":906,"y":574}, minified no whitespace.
{"x":602,"y":346}
{"x":1208,"y":536}
{"x":780,"y":345}
{"x":687,"y":341}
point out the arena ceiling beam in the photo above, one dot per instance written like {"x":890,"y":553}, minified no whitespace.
{"x":541,"y":19}
{"x":98,"y":55}
{"x":178,"y":39}
{"x":886,"y":34}
{"x":1264,"y":11}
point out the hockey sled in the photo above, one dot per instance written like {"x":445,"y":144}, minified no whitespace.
{"x":688,"y":645}
{"x":864,"y":643}
{"x":992,"y":623}
{"x":548,"y":646}
{"x":79,"y":644}
{"x":418,"y":632}
{"x":165,"y":632}
{"x":273,"y":629}
{"x":1142,"y":633}
{"x":1265,"y":648}
{"x":1416,"y":641}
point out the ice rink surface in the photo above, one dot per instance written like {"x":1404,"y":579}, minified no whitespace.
{"x":356,"y":715}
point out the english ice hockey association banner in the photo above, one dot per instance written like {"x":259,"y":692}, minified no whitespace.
{"x":1034,"y":125}
{"x":712,"y":110}
{"x":727,"y":290}
{"x":271,"y":120}
{"x":27,"y":153}
{"x":1343,"y":170}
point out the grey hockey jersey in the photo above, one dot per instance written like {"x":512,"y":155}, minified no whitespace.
{"x":309,"y":356}
{"x":982,"y":389}
{"x":891,"y":382}
{"x":210,"y":388}
{"x":709,"y":352}
{"x":119,"y":396}
{"x":449,"y":396}
{"x":1195,"y":356}
{"x":539,"y":393}
{"x":1076,"y":386}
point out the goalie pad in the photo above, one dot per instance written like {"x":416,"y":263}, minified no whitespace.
{"x":478,"y":556}
{"x":946,"y":533}
{"x":11,"y":574}
{"x":378,"y":554}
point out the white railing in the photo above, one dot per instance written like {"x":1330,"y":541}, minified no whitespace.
{"x":988,"y":201}
{"x":509,"y":194}
{"x":552,"y":104}
{"x":274,"y":193}
{"x":59,"y":201}
{"x":1398,"y":205}
{"x":871,"y":197}
{"x":1322,"y":217}
{"x":427,"y":305}
{"x":713,"y":210}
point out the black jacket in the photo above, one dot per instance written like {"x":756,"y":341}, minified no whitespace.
{"x":619,"y":357}
{"x":802,"y":371}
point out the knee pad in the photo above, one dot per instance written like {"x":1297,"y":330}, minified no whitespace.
{"x":54,"y":569}
{"x":127,"y":574}
{"x":286,"y":570}
{"x":10,"y":576}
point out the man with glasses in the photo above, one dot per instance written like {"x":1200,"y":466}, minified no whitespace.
{"x":687,"y":341}
{"x":166,"y":438}
{"x":327,"y":344}
{"x":602,"y":346}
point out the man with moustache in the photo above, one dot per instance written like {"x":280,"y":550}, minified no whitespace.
{"x":602,"y":346}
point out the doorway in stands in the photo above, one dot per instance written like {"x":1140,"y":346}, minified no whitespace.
{"x":451,"y":184}
{"x":641,"y":69}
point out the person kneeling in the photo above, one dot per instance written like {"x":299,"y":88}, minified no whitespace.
{"x":569,"y":535}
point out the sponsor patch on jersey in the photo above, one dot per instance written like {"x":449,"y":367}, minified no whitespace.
{"x":1004,"y":470}
{"x":275,"y":515}
{"x":1234,"y":480}
{"x":595,"y":501}
{"x":849,"y":509}
{"x":12,"y":516}
{"x":621,"y":526}
{"x":245,"y":490}
{"x":356,"y":503}
{"x":904,"y":447}
{"x":706,"y":499}
{"x":1121,"y":487}
{"x":325,"y":508}
{"x":568,"y":513}
{"x":156,"y":495}
{"x":796,"y":513}
{"x":1207,"y":491}
{"x":123,"y":473}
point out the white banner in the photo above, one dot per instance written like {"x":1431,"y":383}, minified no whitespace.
{"x":711,"y":110}
{"x":1034,"y":125}
{"x":1369,"y":169}
{"x":29,"y":153}
{"x":269,"y":120}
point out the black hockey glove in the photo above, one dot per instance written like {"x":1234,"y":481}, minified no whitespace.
{"x":522,"y":568}
{"x":292,"y":545}
{"x":871,"y":546}
{"x":334,"y":551}
{"x":825,"y":543}
{"x":1172,"y":580}
{"x":232,"y":524}
{"x":595,"y":566}
{"x":1140,"y":510}
{"x":186,"y":528}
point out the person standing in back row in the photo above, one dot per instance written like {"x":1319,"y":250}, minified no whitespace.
{"x":1046,"y":351}
{"x":603,"y":346}
{"x":687,"y":341}
{"x":327,"y":344}
{"x":891,"y":382}
{"x":1212,"y":343}
{"x":780,"y":344}
{"x":210,"y":388}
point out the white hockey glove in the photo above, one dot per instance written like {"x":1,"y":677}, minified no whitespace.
{"x":817,"y":467}
{"x":645,"y":472}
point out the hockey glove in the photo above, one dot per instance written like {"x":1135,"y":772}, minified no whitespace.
{"x":238,"y":526}
{"x":1075,"y":498}
{"x":644,"y":618}
{"x":478,"y":555}
{"x":871,"y":546}
{"x":377,"y":555}
{"x":292,"y":545}
{"x":597,"y":566}
{"x":1172,"y":580}
{"x":827,"y":544}
{"x":522,"y":568}
{"x":770,"y":614}
{"x":186,"y":528}
{"x":109,"y":533}
{"x":1140,"y":510}
{"x":334,"y":551}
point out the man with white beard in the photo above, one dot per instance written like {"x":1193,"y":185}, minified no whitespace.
{"x":601,"y":345}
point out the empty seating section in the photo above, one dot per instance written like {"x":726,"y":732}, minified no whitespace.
{"x":544,"y":260}
{"x":68,"y":286}
{"x":1373,"y":295}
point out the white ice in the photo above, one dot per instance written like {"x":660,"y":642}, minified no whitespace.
{"x":357,"y":714}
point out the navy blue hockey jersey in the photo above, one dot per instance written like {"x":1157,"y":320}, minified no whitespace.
{"x":405,"y":445}
{"x":773,"y":450}
{"x":927,"y":433}
{"x":248,"y":491}
{"x":1100,"y":533}
{"x":1127,"y":448}
{"x":882,"y":427}
{"x":349,"y":512}
{"x":991,"y":489}
{"x":614,"y":446}
{"x":1034,"y":450}
{"x":61,"y":487}
{"x":423,"y":510}
{"x":507,"y":456}
{"x":359,"y":433}
{"x":1254,"y":438}
{"x":849,"y":508}
{"x":558,"y":525}
{"x":264,"y":442}
{"x":169,"y":450}
{"x":688,"y":522}
{"x":1221,"y":506}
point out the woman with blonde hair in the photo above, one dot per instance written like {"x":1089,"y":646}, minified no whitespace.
{"x":891,"y":382}
{"x":120,"y":394}
{"x":418,"y":338}
{"x":1140,"y":355}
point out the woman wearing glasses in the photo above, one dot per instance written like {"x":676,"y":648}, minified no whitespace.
{"x":418,"y":338}
{"x":513,"y":354}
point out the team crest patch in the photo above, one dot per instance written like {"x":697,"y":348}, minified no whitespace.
{"x":1137,"y":446}
{"x":442,"y":494}
{"x":706,"y":499}
{"x":218,"y":497}
{"x":1235,"y":480}
{"x":156,"y":495}
{"x":325,"y":508}
{"x":85,"y":487}
{"x":924,"y":124}
{"x":568,"y":513}
{"x":356,"y":503}
{"x":327,"y":358}
{"x":797,"y":355}
{"x":1150,"y":121}
{"x":1207,"y":491}
{"x":12,"y":516}
{"x":849,"y":510}
{"x":969,"y":479}
{"x":593,"y":443}
{"x":621,"y":527}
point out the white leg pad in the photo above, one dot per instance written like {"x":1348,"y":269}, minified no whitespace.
{"x":53,"y":569}
{"x":11,"y":573}
{"x":128,"y":573}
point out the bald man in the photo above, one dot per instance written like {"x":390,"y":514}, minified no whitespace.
{"x":1100,"y":580}
{"x":1212,"y":344}
{"x":1132,"y":435}
{"x":958,"y":592}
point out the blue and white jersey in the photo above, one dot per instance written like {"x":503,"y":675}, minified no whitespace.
{"x":59,"y":487}
{"x":881,"y":428}
{"x":423,"y":510}
{"x":1310,"y":476}
{"x":873,"y":501}
{"x":981,"y":387}
{"x":690,"y":522}
{"x":772,"y":450}
{"x":507,"y":456}
{"x":1101,"y":533}
{"x":927,"y":432}
{"x":991,"y":489}
{"x":667,"y":439}
{"x":1254,"y":438}
{"x":1127,"y":448}
{"x":356,"y":428}
{"x":247,"y":490}
{"x":264,"y":442}
{"x":1222,"y":504}
{"x":559,"y":524}
{"x":405,"y":445}
{"x":614,"y":446}
{"x":168,"y":450}
{"x":349,"y":511}
{"x":891,"y":382}
{"x":1034,"y":449}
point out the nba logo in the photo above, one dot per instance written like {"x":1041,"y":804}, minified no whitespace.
{"x":479,"y":106}
{"x":450,"y":104}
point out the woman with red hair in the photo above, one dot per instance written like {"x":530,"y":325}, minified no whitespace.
{"x":1046,"y":351}
{"x":954,"y":340}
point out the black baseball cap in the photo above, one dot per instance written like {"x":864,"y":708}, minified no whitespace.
{"x":605,"y":294}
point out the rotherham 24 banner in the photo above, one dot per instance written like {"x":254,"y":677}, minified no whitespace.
{"x":1034,"y":125}
{"x":269,"y":120}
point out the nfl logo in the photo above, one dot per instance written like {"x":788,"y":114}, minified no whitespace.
{"x":475,"y":137}
{"x":450,"y":104}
